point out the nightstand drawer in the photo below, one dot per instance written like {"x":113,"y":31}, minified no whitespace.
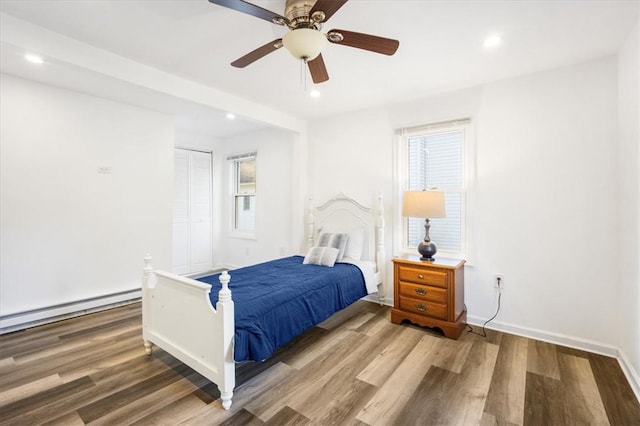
{"x":422,"y":276}
{"x":423,"y":292}
{"x":423,"y":307}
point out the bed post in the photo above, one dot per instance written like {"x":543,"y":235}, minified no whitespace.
{"x":310,"y":224}
{"x":225,"y":308}
{"x":146,"y":275}
{"x":380,"y":248}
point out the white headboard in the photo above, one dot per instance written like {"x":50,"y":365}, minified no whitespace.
{"x":344,"y":213}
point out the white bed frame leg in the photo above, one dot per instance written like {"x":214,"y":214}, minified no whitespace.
{"x":226,"y":308}
{"x":225,"y":397}
{"x":380,"y":248}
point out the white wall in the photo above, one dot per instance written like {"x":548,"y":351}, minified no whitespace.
{"x":274,"y":199}
{"x":629,"y":198}
{"x":351,"y":154}
{"x":196,"y":141}
{"x":69,"y":233}
{"x":546,"y":201}
{"x":543,"y":197}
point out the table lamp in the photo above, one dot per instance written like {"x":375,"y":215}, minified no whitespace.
{"x":424,"y":204}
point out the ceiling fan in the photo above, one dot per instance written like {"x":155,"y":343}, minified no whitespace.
{"x":305,"y":41}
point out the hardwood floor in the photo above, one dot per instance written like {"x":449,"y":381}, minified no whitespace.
{"x":356,"y":368}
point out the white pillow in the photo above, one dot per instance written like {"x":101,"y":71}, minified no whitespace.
{"x":339,"y":241}
{"x":355,"y":245}
{"x":323,"y":256}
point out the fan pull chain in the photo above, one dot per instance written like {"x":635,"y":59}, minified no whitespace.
{"x":303,"y":74}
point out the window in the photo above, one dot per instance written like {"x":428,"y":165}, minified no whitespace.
{"x":244,"y":192}
{"x":434,"y":157}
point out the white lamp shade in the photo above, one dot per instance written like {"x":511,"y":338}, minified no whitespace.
{"x":304,"y":43}
{"x":423,"y":204}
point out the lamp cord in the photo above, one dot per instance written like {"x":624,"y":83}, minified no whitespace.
{"x":484,"y":332}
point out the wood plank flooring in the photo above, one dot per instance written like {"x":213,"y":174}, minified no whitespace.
{"x":356,"y":368}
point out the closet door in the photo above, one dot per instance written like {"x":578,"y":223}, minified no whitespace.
{"x":192,"y":212}
{"x":200,"y":217}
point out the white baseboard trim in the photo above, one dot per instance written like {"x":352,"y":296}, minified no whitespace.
{"x":632,"y":375}
{"x":32,"y":318}
{"x":373,"y":297}
{"x":570,"y":341}
{"x":230,"y":266}
{"x":547,"y":336}
{"x":388,"y":301}
{"x":205,"y":273}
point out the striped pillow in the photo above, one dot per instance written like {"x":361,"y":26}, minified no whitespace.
{"x":337,"y":241}
{"x":323,"y":256}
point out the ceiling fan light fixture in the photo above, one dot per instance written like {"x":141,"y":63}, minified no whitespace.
{"x":304,"y":43}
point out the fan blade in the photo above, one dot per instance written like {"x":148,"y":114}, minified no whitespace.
{"x":250,"y":9}
{"x":318,"y":70}
{"x":253,"y":56}
{"x":329,"y":7}
{"x":386,"y":46}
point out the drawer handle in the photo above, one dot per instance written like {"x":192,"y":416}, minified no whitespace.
{"x":421,"y":276}
{"x":421,"y":291}
{"x":421,"y":307}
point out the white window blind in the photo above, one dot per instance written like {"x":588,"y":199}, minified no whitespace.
{"x":435,"y":159}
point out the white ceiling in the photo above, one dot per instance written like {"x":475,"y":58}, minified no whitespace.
{"x":440,"y":46}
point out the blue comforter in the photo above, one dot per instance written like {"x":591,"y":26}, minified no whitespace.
{"x":277,"y":300}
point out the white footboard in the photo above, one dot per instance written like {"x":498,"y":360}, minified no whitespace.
{"x":177,"y":316}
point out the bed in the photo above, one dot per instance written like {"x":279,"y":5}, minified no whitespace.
{"x":178,"y":313}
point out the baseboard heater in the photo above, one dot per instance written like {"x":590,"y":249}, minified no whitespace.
{"x":32,"y":318}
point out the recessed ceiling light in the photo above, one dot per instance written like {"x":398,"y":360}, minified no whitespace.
{"x":492,"y":41}
{"x":230,"y":116}
{"x":34,"y":59}
{"x":314,"y":94}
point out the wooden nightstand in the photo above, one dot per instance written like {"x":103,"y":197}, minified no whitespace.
{"x":430,"y":294}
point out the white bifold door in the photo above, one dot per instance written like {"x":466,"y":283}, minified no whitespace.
{"x":192,"y":217}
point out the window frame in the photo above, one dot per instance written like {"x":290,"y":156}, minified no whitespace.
{"x":401,"y":154}
{"x":235,"y":193}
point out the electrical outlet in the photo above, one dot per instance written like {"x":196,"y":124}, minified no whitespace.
{"x":499,"y":281}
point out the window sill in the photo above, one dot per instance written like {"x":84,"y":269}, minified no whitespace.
{"x":243,"y":235}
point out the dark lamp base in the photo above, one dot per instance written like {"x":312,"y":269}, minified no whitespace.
{"x":427,"y":249}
